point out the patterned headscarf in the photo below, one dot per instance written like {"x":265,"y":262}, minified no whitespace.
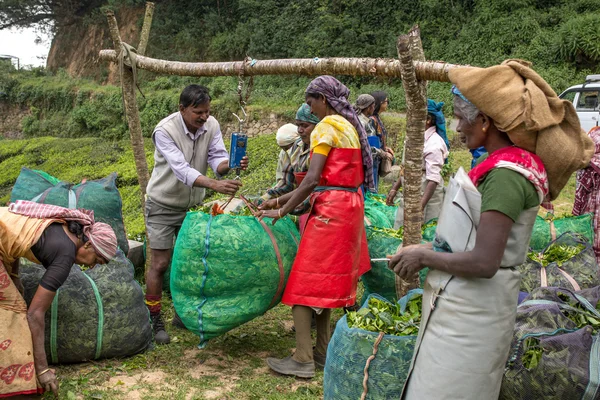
{"x":101,"y":235}
{"x":304,"y":114}
{"x":336,"y":95}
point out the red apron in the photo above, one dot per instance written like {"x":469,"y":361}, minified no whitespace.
{"x":333,"y":249}
{"x":302,"y":219}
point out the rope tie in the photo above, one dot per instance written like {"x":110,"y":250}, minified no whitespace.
{"x":366,"y":370}
{"x":128,"y":56}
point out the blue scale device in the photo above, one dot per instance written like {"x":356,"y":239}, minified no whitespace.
{"x":237,"y":149}
{"x":238,"y":146}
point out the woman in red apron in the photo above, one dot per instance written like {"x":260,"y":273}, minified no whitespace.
{"x":333,"y":250}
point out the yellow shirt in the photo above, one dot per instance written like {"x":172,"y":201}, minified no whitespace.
{"x":333,"y":131}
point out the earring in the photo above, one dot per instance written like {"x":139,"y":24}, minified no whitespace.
{"x":484,"y":129}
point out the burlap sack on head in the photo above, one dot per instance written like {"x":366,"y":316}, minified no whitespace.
{"x":524,"y":106}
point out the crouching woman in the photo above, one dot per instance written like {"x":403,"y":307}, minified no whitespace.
{"x":55,"y":237}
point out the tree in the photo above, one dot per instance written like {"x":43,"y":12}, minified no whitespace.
{"x":24,"y":13}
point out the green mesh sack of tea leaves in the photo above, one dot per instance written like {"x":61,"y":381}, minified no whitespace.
{"x":395,"y":326}
{"x":555,"y":352}
{"x":375,"y":207}
{"x":380,"y":279}
{"x":569,"y":261}
{"x":98,"y":313}
{"x":228,"y":269}
{"x":428,"y":230}
{"x":545,"y":230}
{"x":100,"y":196}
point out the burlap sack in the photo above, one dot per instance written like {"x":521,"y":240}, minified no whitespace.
{"x":524,"y":106}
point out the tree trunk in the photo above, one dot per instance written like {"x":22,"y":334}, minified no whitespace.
{"x":425,"y":70}
{"x":146,"y":28}
{"x":133,"y":120}
{"x":416,"y":115}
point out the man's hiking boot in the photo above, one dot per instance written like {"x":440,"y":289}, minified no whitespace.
{"x":158,"y":327}
{"x":289,"y":366}
{"x":177,"y":322}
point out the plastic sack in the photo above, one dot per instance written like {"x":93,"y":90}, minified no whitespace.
{"x":228,"y":270}
{"x":347,"y":356}
{"x":98,"y":313}
{"x":551,"y":356}
{"x":100,"y":196}
{"x":579,"y":272}
{"x":545,"y":231}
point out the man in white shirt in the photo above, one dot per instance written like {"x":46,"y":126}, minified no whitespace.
{"x":187,"y":143}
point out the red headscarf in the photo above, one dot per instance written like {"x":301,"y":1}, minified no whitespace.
{"x":101,"y":235}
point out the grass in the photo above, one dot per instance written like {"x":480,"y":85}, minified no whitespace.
{"x":230,"y":367}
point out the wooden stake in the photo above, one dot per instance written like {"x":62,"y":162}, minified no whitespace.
{"x":425,"y":70}
{"x":133,"y":120}
{"x":416,"y":115}
{"x":146,"y":28}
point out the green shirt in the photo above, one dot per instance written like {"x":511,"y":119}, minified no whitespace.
{"x":507,"y":191}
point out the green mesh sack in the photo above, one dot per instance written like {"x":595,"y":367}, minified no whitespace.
{"x":100,"y":196}
{"x":544,"y":231}
{"x":581,"y":268}
{"x":380,"y":279}
{"x":226,"y":270}
{"x":347,"y":355}
{"x":98,"y":313}
{"x":429,"y":230}
{"x":376,"y":202}
{"x":374,"y":216}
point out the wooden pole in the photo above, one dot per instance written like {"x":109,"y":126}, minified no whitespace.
{"x":146,"y":28}
{"x":131,"y":112}
{"x":133,"y":120}
{"x":416,"y":115}
{"x":425,"y":70}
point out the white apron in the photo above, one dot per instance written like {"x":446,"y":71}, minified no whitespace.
{"x":467,"y":327}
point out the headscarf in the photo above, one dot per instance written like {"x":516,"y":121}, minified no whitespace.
{"x":440,"y":121}
{"x":522,"y":104}
{"x":304,"y":114}
{"x":101,"y":235}
{"x":363,"y":102}
{"x":286,"y":135}
{"x":336,"y":95}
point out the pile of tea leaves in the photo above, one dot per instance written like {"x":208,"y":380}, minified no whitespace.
{"x":383,"y":316}
{"x":556,"y":253}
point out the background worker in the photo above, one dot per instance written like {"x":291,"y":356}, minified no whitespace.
{"x":432,"y":187}
{"x":295,"y":170}
{"x":187,"y":143}
{"x":286,"y":136}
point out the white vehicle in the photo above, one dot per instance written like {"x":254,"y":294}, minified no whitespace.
{"x":585,"y":99}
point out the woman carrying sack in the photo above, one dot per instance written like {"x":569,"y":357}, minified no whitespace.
{"x":535,"y":143}
{"x":55,"y":237}
{"x":333,"y":250}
